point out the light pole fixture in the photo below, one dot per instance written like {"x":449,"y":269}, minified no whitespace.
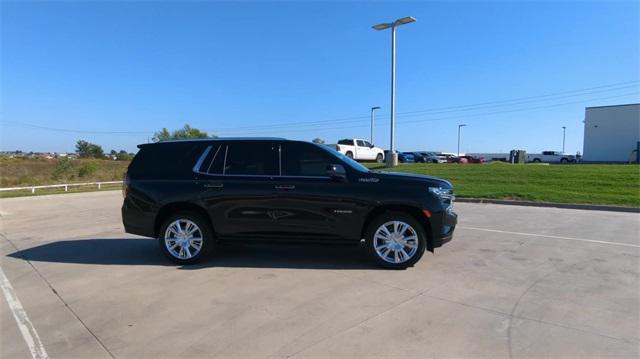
{"x":564,"y":132}
{"x":392,"y":159}
{"x":459,"y":127}
{"x":373,"y":117}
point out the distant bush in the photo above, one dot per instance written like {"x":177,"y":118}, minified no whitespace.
{"x":87,"y":169}
{"x":63,"y":169}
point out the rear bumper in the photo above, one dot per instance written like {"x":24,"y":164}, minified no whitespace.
{"x":136,"y":221}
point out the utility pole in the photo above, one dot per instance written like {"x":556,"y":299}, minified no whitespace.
{"x":459,"y":127}
{"x":564,"y":132}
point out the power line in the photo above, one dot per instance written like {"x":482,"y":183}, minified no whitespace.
{"x":469,"y":107}
{"x":449,"y":117}
{"x":417,"y":113}
{"x":24,"y":124}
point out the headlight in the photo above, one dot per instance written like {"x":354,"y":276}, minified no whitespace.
{"x":444,"y":194}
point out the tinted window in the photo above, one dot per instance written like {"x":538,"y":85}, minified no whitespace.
{"x":366,"y":143}
{"x":332,"y":153}
{"x":301,"y":159}
{"x":361,"y":143}
{"x":166,"y":160}
{"x":214,"y":160}
{"x":346,"y":142}
{"x":251,"y":158}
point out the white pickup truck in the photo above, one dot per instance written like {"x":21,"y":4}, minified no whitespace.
{"x":551,"y":157}
{"x":360,"y":150}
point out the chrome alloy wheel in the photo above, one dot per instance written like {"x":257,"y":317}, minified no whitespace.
{"x":395,"y":242}
{"x":183,"y":239}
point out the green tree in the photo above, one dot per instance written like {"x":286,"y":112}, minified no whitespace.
{"x":317,"y":140}
{"x":182,"y":133}
{"x":124,"y":156}
{"x":63,"y":169}
{"x":89,"y":150}
{"x":87,"y":170}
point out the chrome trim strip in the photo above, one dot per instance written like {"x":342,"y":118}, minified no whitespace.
{"x":196,"y":167}
{"x":224,"y":164}
{"x":280,"y":160}
{"x":270,"y":176}
{"x":213,"y":159}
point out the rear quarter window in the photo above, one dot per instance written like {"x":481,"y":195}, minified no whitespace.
{"x":172,"y":160}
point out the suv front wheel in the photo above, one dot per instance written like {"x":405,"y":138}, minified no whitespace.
{"x":395,"y":240}
{"x":185,"y":237}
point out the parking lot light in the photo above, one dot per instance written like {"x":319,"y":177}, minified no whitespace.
{"x":392,"y":160}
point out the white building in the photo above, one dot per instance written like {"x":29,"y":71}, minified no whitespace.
{"x":611,"y":133}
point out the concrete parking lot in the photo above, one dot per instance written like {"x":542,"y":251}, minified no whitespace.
{"x":514,"y":282}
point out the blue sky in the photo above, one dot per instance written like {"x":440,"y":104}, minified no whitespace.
{"x":114,"y":72}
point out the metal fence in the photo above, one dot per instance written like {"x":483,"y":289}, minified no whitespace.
{"x":65,"y":186}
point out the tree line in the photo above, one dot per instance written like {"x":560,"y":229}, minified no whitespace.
{"x":86,"y":149}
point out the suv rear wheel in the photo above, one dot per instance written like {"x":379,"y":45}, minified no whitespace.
{"x":395,"y":240}
{"x":185,"y":237}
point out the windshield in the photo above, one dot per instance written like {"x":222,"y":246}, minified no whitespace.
{"x":352,"y":163}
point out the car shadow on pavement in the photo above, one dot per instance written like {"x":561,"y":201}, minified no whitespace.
{"x":143,"y":251}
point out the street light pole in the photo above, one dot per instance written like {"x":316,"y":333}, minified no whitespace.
{"x":373,"y":117}
{"x":392,"y":159}
{"x":459,"y":127}
{"x":564,"y":131}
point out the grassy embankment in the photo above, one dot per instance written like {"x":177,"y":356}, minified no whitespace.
{"x":587,"y":184}
{"x":592,"y":184}
{"x":20,"y":172}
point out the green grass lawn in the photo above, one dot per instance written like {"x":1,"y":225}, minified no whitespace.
{"x":590,"y":184}
{"x":593,"y":184}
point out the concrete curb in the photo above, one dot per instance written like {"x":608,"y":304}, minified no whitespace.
{"x":589,"y":207}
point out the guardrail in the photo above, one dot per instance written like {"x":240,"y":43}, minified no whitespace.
{"x":65,"y":185}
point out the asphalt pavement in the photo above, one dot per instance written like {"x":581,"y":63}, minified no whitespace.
{"x":514,"y":282}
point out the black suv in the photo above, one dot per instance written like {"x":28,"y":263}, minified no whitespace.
{"x":190,"y":194}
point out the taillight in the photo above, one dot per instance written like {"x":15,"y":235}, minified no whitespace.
{"x":125,"y":185}
{"x":337,"y":147}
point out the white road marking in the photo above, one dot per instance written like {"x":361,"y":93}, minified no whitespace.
{"x":26,"y":327}
{"x":553,"y":237}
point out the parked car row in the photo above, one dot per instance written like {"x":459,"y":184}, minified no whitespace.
{"x":363,"y":150}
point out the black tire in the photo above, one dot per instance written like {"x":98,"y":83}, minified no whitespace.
{"x":349,"y":154}
{"x":379,"y":158}
{"x":564,"y":160}
{"x":391,"y":216}
{"x":536,"y":160}
{"x":204,"y":227}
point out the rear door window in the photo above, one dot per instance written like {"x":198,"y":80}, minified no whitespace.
{"x":252,"y":158}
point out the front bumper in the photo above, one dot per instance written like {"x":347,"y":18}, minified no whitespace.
{"x":443,"y":225}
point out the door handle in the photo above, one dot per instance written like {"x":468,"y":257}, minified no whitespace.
{"x":285,"y":187}
{"x":213,"y":185}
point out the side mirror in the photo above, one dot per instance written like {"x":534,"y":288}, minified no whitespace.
{"x":337,"y":173}
{"x":372,"y":146}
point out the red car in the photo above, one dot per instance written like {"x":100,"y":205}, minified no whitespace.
{"x":472,"y":159}
{"x":455,"y":159}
